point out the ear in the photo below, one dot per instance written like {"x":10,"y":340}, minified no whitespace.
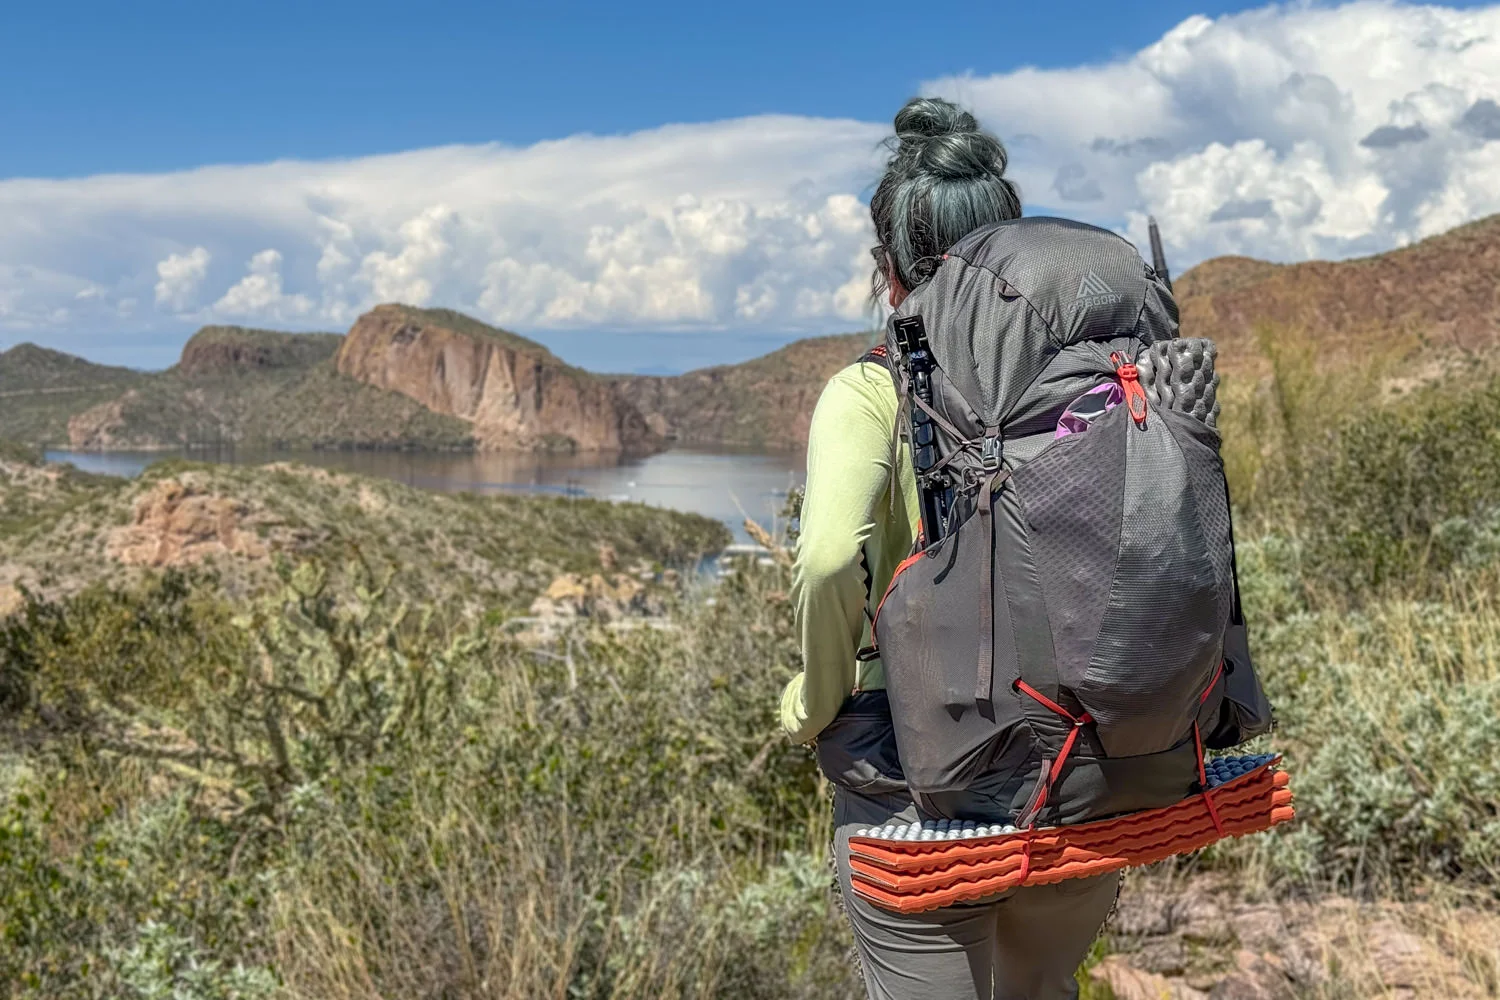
{"x":897,"y":290}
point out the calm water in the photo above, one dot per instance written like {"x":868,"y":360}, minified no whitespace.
{"x":726,"y":486}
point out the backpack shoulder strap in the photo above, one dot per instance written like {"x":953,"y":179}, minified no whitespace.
{"x":877,"y":355}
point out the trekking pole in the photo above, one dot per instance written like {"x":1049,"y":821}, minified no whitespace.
{"x":1158,"y":255}
{"x":932,"y":492}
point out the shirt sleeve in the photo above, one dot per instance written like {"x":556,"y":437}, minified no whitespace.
{"x":849,"y":461}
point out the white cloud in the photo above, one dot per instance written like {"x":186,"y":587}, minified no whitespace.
{"x":1286,"y":132}
{"x":180,"y":275}
{"x":258,"y":294}
{"x":676,"y":227}
{"x":407,"y":275}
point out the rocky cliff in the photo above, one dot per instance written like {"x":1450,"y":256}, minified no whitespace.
{"x":766,"y":402}
{"x":220,"y":350}
{"x":514,"y":392}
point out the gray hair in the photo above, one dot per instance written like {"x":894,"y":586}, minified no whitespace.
{"x":945,"y":179}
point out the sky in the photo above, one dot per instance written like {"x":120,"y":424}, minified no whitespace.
{"x":678,"y":184}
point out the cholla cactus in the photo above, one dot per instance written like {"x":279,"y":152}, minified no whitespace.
{"x":327,"y":680}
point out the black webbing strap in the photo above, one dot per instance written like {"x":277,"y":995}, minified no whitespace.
{"x":1234,"y":568}
{"x":903,"y":386}
{"x":871,"y":652}
{"x":985,"y":679}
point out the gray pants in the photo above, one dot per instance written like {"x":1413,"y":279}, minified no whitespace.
{"x":1021,"y":945}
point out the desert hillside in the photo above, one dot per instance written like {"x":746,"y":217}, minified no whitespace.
{"x":40,"y":389}
{"x":232,"y":387}
{"x":1443,"y":292}
{"x":61,"y":530}
{"x":224,"y":350}
{"x":766,"y":402}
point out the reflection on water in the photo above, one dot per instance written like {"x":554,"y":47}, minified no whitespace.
{"x":723,"y":485}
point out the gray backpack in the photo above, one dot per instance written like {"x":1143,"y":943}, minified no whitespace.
{"x":1059,"y":638}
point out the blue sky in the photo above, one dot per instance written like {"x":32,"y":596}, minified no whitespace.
{"x":145,"y":86}
{"x":673,"y":185}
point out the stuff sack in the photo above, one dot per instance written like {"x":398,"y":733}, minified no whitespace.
{"x":1059,"y":638}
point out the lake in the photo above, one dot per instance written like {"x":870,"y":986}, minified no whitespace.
{"x":722,"y":485}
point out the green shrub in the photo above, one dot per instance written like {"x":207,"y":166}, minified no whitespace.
{"x":98,"y":903}
{"x":1390,"y":720}
{"x":1404,"y":493}
{"x":1385,"y":491}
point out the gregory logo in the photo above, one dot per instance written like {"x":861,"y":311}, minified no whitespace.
{"x":1092,"y":291}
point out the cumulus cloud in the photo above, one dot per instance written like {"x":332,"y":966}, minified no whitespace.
{"x":1482,"y":119}
{"x":1387,"y":136}
{"x":741,"y":224}
{"x":180,"y":275}
{"x":1286,"y":132}
{"x":258,"y":294}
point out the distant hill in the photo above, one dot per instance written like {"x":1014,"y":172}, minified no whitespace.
{"x":766,"y":402}
{"x":255,"y":388}
{"x":1443,"y":292}
{"x":221,"y":350}
{"x":27,"y":368}
{"x":40,"y":389}
{"x":60,"y":530}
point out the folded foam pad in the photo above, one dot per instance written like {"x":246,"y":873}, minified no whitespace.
{"x":1249,"y":795}
{"x":1179,"y":375}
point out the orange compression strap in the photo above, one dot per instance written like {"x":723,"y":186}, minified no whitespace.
{"x":1208,"y":799}
{"x":1050,"y":778}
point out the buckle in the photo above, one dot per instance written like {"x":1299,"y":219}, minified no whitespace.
{"x":989,"y":454}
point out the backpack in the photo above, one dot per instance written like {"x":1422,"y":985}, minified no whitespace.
{"x":1066,"y":630}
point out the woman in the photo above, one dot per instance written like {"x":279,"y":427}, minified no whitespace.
{"x":945,"y":178}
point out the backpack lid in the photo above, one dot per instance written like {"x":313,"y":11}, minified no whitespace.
{"x":1022,"y":316}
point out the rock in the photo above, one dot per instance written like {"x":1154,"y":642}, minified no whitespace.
{"x":10,"y":600}
{"x":1167,"y":956}
{"x":1143,"y":912}
{"x":223,"y":350}
{"x":517,"y":395}
{"x":1255,"y":977}
{"x":607,"y":557}
{"x":574,"y":596}
{"x":1260,"y":926}
{"x":1127,"y":982}
{"x":105,"y":427}
{"x":177,"y":524}
{"x":1409,"y":966}
{"x":1202,"y":917}
{"x":1399,"y":955}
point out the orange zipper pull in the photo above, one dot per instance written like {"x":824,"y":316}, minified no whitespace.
{"x":1130,"y":381}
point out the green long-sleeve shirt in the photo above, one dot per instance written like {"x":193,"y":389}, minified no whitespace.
{"x":859,"y":512}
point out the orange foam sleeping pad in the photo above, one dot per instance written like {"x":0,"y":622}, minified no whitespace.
{"x":912,"y":876}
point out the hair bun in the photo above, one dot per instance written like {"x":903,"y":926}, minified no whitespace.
{"x":942,"y":140}
{"x":927,"y":117}
{"x":962,"y":155}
